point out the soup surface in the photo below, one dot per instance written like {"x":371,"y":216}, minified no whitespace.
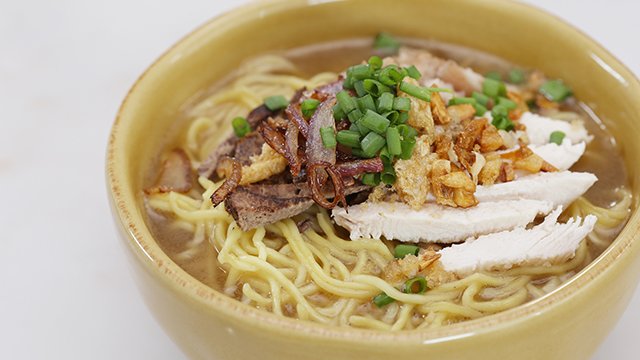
{"x":414,"y":248}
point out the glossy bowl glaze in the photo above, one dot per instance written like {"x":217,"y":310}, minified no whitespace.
{"x":567,"y":324}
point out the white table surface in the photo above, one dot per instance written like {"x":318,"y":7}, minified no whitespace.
{"x":65,"y":288}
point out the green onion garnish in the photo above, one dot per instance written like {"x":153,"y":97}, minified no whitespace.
{"x":402,"y":104}
{"x":361,"y":128}
{"x":375,"y":88}
{"x":375,"y":122}
{"x":556,"y":137}
{"x":355,"y":115}
{"x":338,"y":114}
{"x":402,"y":117}
{"x":555,"y":90}
{"x":275,"y":103}
{"x":371,"y":179}
{"x":240,"y":126}
{"x":382,"y":300}
{"x":385,"y":102}
{"x":503,"y":123}
{"x":415,"y":91}
{"x":516,"y":76}
{"x":366,"y":103}
{"x":328,"y":137}
{"x":371,"y":144}
{"x":480,"y":110}
{"x":407,"y":132}
{"x":349,"y":138}
{"x":481,"y":98}
{"x":309,"y":106}
{"x":346,"y":102}
{"x":393,"y":141}
{"x":388,"y":174}
{"x":417,"y":285}
{"x":375,"y":62}
{"x":413,"y":72}
{"x":493,"y":88}
{"x":509,"y":104}
{"x":407,"y":146}
{"x":359,"y":88}
{"x":360,"y":72}
{"x":493,"y":75}
{"x":462,"y":100}
{"x":385,"y":42}
{"x":403,"y":250}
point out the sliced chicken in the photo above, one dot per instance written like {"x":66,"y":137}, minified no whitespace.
{"x":436,"y":223}
{"x":539,"y":128}
{"x":558,"y":188}
{"x":561,"y":156}
{"x":549,"y":242}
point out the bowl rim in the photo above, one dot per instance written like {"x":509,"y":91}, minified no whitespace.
{"x":142,"y":243}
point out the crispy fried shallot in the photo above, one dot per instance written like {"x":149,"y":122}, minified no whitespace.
{"x":317,"y":174}
{"x":360,"y":166}
{"x":229,"y":184}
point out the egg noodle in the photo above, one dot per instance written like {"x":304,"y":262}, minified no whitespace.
{"x":320,"y":276}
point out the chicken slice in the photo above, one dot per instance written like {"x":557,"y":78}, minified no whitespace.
{"x":539,"y":128}
{"x":436,"y":223}
{"x":547,"y":243}
{"x":562,"y":156}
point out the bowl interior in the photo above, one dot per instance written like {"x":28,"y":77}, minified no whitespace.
{"x":533,"y":40}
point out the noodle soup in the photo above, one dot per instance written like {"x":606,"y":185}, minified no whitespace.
{"x":381,"y":245}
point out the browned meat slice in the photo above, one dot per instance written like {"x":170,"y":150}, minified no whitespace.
{"x":175,"y":174}
{"x":242,"y":149}
{"x":248,"y":146}
{"x":257,"y":205}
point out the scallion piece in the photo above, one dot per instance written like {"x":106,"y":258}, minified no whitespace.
{"x":393,"y":141}
{"x":417,"y":285}
{"x":402,"y":117}
{"x":403,"y":250}
{"x":240,"y":126}
{"x":555,"y":90}
{"x":481,"y":98}
{"x":480,"y":109}
{"x":392,"y":116}
{"x":503,"y":123}
{"x":309,"y":106}
{"x":354,"y":116}
{"x":415,"y":91}
{"x":385,"y":102}
{"x":328,"y":137}
{"x":407,"y":132}
{"x":375,"y":88}
{"x":407,"y":146}
{"x":388,"y":174}
{"x":385,"y":42}
{"x":371,"y":144}
{"x":349,"y":138}
{"x":358,"y":86}
{"x":556,"y":137}
{"x":371,"y":179}
{"x":375,"y":122}
{"x":361,"y":128}
{"x":516,"y":76}
{"x":462,"y":100}
{"x":385,"y":156}
{"x":359,"y":72}
{"x":509,"y":104}
{"x":493,"y":75}
{"x":275,"y":103}
{"x":499,"y":111}
{"x":338,"y":114}
{"x":382,"y":300}
{"x":366,"y":103}
{"x":348,"y":83}
{"x":402,"y":104}
{"x":391,"y":75}
{"x":493,"y":88}
{"x":347,"y":103}
{"x":375,"y":62}
{"x":413,"y":72}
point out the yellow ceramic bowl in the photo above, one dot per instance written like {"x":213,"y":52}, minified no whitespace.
{"x":567,"y":324}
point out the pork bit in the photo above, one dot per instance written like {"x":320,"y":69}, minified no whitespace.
{"x":175,"y":174}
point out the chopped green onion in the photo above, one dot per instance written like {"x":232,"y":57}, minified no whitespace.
{"x":480,"y":110}
{"x":391,"y":75}
{"x":366,"y":103}
{"x":407,"y":132}
{"x":556,"y":137}
{"x":371,"y":179}
{"x":385,"y":42}
{"x":403,"y":250}
{"x":415,"y":91}
{"x":481,"y":98}
{"x":462,"y":100}
{"x":359,"y":72}
{"x":347,"y":103}
{"x":385,"y":102}
{"x":240,"y":126}
{"x":385,"y":156}
{"x":359,"y":88}
{"x":361,"y":128}
{"x":493,"y":75}
{"x":355,"y":115}
{"x":382,"y":300}
{"x":403,"y":117}
{"x":509,"y":104}
{"x":413,"y":72}
{"x":275,"y":103}
{"x":417,"y":285}
{"x":349,"y":138}
{"x":493,"y":88}
{"x":392,"y":116}
{"x":402,"y":104}
{"x":503,"y":123}
{"x":348,"y":83}
{"x":371,"y":144}
{"x":555,"y":90}
{"x":499,"y":111}
{"x":309,"y":106}
{"x":338,"y":114}
{"x":516,"y":76}
{"x":393,"y":141}
{"x":375,"y":62}
{"x":328,"y":137}
{"x":388,"y":174}
{"x":375,"y":88}
{"x":375,"y":122}
{"x":407,"y":146}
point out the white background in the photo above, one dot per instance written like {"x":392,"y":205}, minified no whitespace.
{"x":65,"y":289}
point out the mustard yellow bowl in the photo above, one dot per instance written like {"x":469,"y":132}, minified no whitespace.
{"x":566,"y":324}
